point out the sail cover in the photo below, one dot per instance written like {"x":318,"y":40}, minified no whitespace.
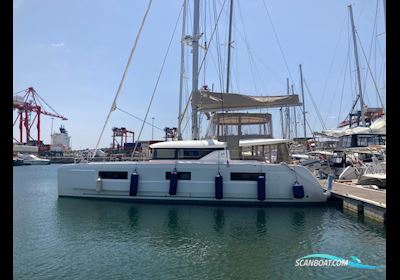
{"x":214,"y":101}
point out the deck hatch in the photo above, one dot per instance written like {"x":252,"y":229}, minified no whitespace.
{"x":113,"y":175}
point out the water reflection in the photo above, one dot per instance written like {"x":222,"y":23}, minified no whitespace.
{"x":298,"y":219}
{"x":173,"y":223}
{"x":76,"y":239}
{"x":133,"y":215}
{"x":219,"y":219}
{"x":261,"y":221}
{"x":178,"y":219}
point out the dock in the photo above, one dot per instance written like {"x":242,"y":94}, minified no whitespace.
{"x":364,"y":201}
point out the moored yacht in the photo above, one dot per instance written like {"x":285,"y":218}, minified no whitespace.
{"x":239,"y":162}
{"x":194,"y":170}
{"x":17,"y":161}
{"x":29,"y":159}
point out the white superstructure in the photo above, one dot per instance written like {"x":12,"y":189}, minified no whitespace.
{"x":197,"y":163}
{"x":60,"y":141}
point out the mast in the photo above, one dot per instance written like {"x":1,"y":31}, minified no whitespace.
{"x":357,"y":66}
{"x":288,"y":111}
{"x":304,"y":106}
{"x":180,"y":117}
{"x":228,"y":68}
{"x":294,"y":114}
{"x":195,"y":74}
{"x":282,"y":126}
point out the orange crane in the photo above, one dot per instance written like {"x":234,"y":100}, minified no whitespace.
{"x":30,"y":102}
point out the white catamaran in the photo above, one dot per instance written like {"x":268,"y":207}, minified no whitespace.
{"x":230,"y":168}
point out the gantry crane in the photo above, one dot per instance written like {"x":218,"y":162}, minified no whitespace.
{"x":30,"y":101}
{"x":123,"y":133}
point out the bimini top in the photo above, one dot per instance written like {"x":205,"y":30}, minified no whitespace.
{"x":262,"y":142}
{"x":241,"y":118}
{"x":208,"y":101}
{"x":197,"y":144}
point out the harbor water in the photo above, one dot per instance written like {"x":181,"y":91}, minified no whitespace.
{"x":67,"y":238}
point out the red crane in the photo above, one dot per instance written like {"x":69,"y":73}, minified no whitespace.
{"x":122,"y":132}
{"x":31,"y":102}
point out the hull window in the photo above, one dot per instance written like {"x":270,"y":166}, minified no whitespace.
{"x":181,"y":175}
{"x":113,"y":175}
{"x":238,"y":176}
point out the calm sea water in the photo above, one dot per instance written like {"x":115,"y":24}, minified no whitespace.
{"x":65,"y":238}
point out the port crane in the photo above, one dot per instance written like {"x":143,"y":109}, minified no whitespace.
{"x":123,"y":133}
{"x":27,"y":103}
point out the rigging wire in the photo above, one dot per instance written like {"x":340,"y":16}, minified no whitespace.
{"x":369,"y":70}
{"x":158,"y":80}
{"x":218,"y":50}
{"x":235,"y":73}
{"x":253,"y":66}
{"x":343,"y":85}
{"x":114,"y":104}
{"x":375,"y":41}
{"x":370,"y":52}
{"x":260,"y":59}
{"x":337,"y":86}
{"x":351,"y":78}
{"x":333,"y":60}
{"x":205,"y":40}
{"x":315,"y":106}
{"x":202,"y":62}
{"x":277,"y":39}
{"x":300,"y":115}
{"x":206,"y":53}
{"x":212,"y":34}
{"x":139,"y":118}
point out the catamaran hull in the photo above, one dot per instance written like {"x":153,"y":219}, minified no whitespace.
{"x":198,"y":184}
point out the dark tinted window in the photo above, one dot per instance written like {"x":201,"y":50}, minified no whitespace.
{"x":188,"y":153}
{"x":182,"y":153}
{"x":113,"y":175}
{"x":345,"y":142}
{"x":164,"y":154}
{"x":236,"y":176}
{"x":367,"y":140}
{"x":181,"y":175}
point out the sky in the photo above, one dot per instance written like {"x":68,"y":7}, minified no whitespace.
{"x":74,"y":53}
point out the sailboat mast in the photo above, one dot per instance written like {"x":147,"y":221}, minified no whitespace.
{"x":228,"y":68}
{"x":195,"y":66}
{"x":180,"y":117}
{"x":288,"y":110}
{"x":282,"y":126}
{"x":357,"y":66}
{"x":294,"y":115}
{"x":304,"y":105}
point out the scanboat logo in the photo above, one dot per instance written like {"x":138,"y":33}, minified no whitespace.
{"x":329,"y":260}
